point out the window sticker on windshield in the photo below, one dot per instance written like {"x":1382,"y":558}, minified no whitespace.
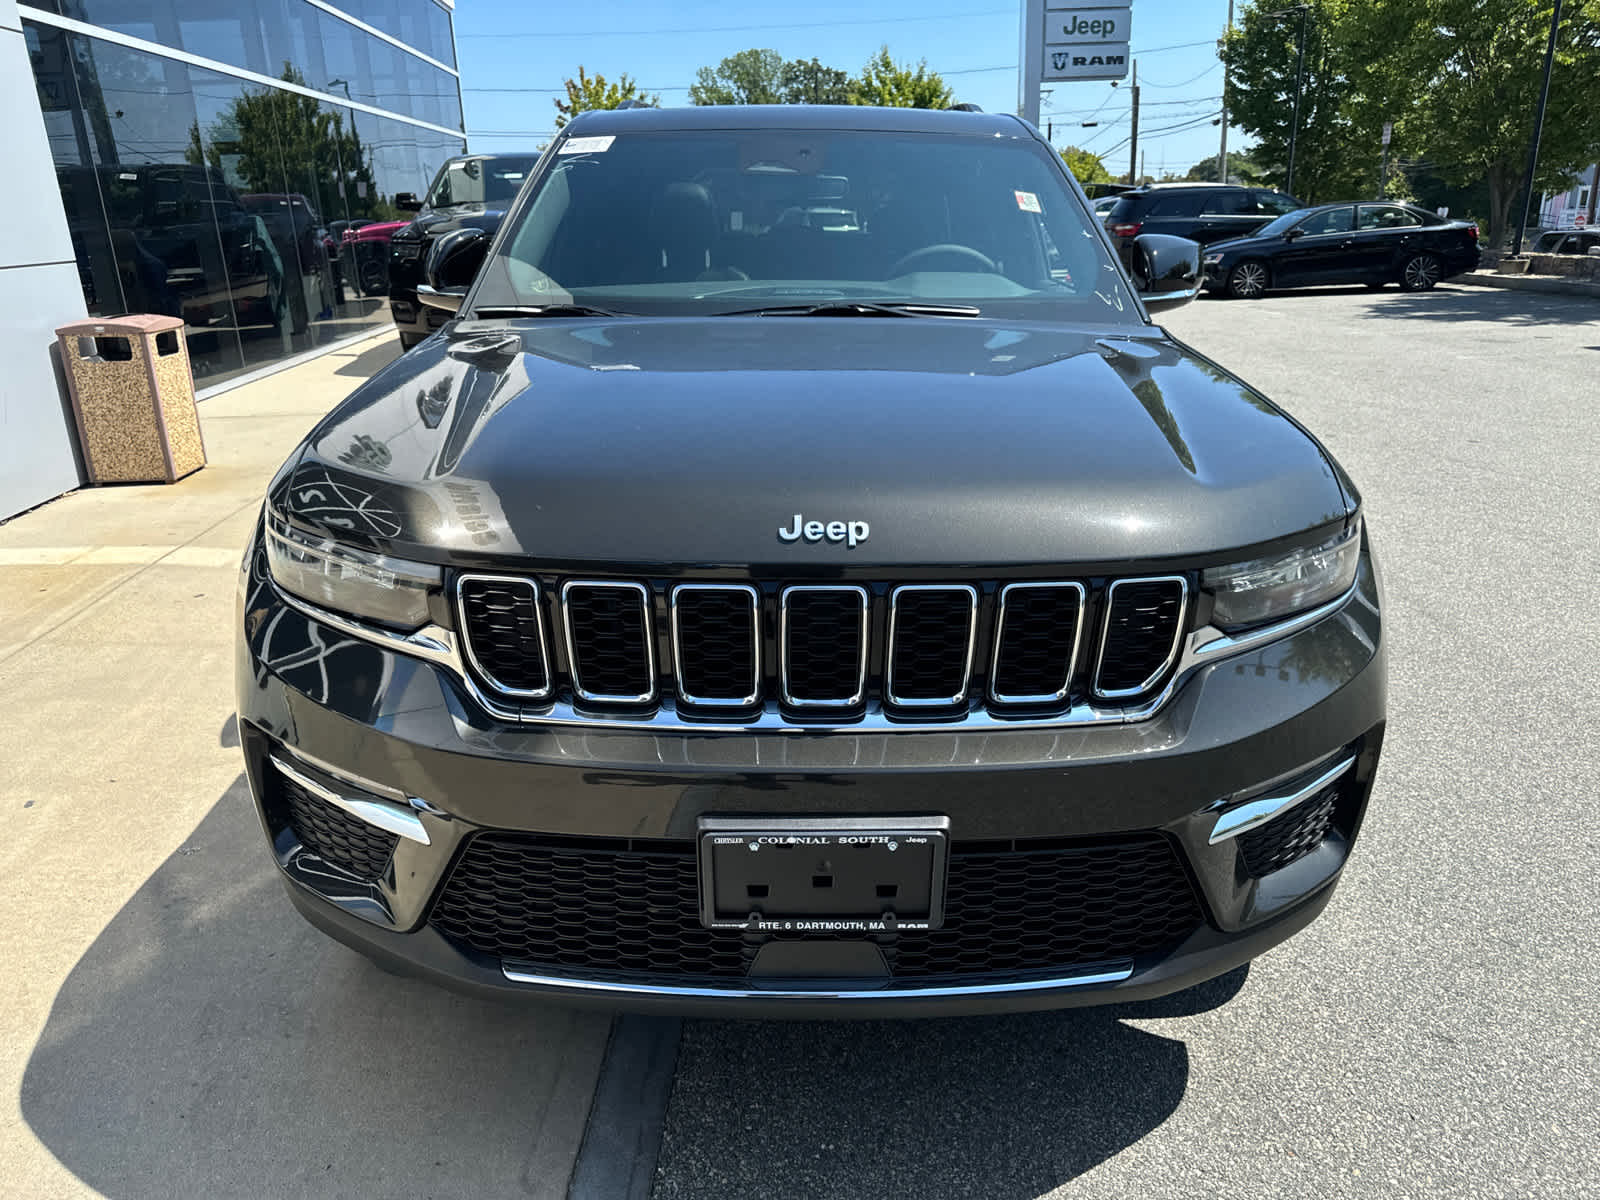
{"x":588,"y":145}
{"x":1028,"y":202}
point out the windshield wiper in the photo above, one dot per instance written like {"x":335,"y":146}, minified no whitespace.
{"x":859,"y":308}
{"x":490,"y":311}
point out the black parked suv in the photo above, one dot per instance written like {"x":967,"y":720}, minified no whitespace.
{"x":472,"y":191}
{"x":1202,"y":212}
{"x":805,"y":581}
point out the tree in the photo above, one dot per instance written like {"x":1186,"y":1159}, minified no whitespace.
{"x":748,"y":77}
{"x":1242,"y":168}
{"x":587,"y":93}
{"x":889,"y":84}
{"x":261,"y":132}
{"x":1335,"y":130}
{"x":1461,"y":79}
{"x":1085,"y":165}
{"x":803,"y":82}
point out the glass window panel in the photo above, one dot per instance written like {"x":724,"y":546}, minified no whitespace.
{"x":156,"y":189}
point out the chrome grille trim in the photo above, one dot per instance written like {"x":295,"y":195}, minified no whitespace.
{"x":972,"y":639}
{"x":754,"y":598}
{"x":999,"y":633}
{"x":573,"y":668}
{"x":1172,"y":650}
{"x":543,"y":693}
{"x":860,"y":692}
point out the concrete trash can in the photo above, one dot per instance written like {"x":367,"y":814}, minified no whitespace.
{"x":133,"y":398}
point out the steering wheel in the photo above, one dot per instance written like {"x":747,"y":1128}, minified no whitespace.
{"x":917,"y":258}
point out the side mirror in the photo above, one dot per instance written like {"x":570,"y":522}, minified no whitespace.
{"x":1167,"y":269}
{"x":453,"y":263}
{"x":407,"y":202}
{"x":1294,"y":235}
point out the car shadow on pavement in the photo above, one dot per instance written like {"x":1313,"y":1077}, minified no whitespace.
{"x":1465,"y":302}
{"x":369,"y":362}
{"x":210,"y":1043}
{"x":1005,"y":1108}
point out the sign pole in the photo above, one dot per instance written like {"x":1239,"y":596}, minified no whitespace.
{"x":1030,"y":79}
{"x":1222,"y":151}
{"x":1133,"y":148}
{"x":1538,"y":130}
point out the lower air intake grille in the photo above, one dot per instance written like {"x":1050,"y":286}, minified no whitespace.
{"x":930,"y":644}
{"x":1291,"y":836}
{"x":715,"y":640}
{"x":1036,"y":642}
{"x":608,"y":638}
{"x":505,"y":634}
{"x":622,"y":908}
{"x":334,"y":834}
{"x":824,"y":645}
{"x":1144,"y":620}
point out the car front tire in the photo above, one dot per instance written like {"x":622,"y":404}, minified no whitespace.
{"x":1421,"y":273}
{"x":1248,"y":280}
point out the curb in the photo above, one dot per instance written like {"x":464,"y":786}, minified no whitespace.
{"x":1529,"y":283}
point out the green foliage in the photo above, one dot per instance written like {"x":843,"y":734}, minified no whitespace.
{"x":587,"y":93}
{"x":1242,"y":168}
{"x":1333,"y":152}
{"x":262,"y":131}
{"x":889,"y":84}
{"x":748,"y":77}
{"x":1462,"y":78}
{"x":1085,"y":166}
{"x":802,"y":82}
{"x":1459,"y":79}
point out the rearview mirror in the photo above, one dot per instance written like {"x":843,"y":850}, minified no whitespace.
{"x":1294,"y":234}
{"x":1167,"y":270}
{"x":407,"y":202}
{"x":453,"y":263}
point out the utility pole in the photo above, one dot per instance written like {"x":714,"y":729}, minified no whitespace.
{"x":1222,"y":152}
{"x":1133,"y":148}
{"x":1538,"y":130}
{"x":1383,"y":172}
{"x":1299,"y":71}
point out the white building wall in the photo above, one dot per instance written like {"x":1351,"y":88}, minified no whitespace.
{"x":39,"y":290}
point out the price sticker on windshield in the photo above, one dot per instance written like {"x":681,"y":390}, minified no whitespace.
{"x":1028,"y":202}
{"x":588,"y":145}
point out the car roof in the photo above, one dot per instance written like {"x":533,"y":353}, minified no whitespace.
{"x":1174,"y":184}
{"x":794,"y":116}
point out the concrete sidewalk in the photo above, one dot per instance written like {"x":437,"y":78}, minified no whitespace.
{"x":168,"y":1025}
{"x":1554,"y":285}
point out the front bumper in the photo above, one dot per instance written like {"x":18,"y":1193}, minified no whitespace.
{"x":377,"y":727}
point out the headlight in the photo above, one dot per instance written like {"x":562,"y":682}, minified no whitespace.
{"x":1269,"y":589}
{"x":374,"y":586}
{"x":1211,"y":260}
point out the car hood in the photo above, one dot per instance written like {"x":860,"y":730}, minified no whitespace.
{"x":447,"y":220}
{"x":1241,"y":243}
{"x":679,"y":441}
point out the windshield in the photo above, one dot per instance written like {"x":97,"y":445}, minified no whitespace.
{"x":480,"y":180}
{"x":1279,"y":224}
{"x":665,"y":222}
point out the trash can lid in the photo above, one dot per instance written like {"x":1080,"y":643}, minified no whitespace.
{"x":137,"y":323}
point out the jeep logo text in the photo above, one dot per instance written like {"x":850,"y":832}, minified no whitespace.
{"x":851,"y":533}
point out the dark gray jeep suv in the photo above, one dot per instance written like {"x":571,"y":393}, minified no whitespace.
{"x":800,"y":579}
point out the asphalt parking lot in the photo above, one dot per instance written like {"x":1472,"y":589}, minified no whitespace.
{"x":177,"y":1031}
{"x":1435,"y":1032}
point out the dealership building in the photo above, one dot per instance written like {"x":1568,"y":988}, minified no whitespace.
{"x":201,"y":159}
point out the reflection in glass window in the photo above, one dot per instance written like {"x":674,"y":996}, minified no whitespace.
{"x":1334,"y":220}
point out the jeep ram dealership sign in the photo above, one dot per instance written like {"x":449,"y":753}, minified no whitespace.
{"x":1086,"y":39}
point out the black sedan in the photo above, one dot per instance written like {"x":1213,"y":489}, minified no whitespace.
{"x":1375,"y":244}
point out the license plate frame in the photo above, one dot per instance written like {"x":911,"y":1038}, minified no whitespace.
{"x":858,"y":857}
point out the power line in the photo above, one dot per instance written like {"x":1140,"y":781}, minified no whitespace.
{"x":986,"y":12}
{"x":1214,"y":66}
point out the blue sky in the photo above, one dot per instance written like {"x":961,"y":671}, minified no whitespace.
{"x":526,"y":50}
